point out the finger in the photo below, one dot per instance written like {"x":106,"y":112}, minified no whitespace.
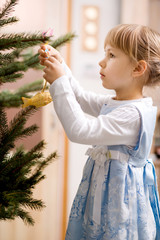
{"x":46,"y":46}
{"x":43,"y":53}
{"x":53,"y":51}
{"x":42,"y":63}
{"x":46,"y":70}
{"x":53,"y":59}
{"x":40,"y":51}
{"x":57,"y":57}
{"x":43,"y":46}
{"x":50,"y":49}
{"x":48,"y":63}
{"x":41,"y":58}
{"x":45,"y":76}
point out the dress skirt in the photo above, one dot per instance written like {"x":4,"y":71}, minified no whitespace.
{"x":116,"y":201}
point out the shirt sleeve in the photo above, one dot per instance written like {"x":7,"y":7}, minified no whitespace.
{"x":90,"y":102}
{"x":121,"y":126}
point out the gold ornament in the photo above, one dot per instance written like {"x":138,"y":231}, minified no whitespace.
{"x":39,"y":100}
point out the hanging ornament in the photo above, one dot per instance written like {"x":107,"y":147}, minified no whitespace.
{"x":42,"y":98}
{"x":39,"y":100}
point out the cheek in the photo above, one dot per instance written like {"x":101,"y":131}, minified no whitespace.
{"x":114,"y":72}
{"x":117,"y":75}
{"x":120,"y":69}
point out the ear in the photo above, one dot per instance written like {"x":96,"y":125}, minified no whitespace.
{"x":140,"y":68}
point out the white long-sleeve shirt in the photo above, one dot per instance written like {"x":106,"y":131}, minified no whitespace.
{"x":120,"y":126}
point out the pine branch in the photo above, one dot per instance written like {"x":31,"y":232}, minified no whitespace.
{"x":10,"y":20}
{"x":14,"y":99}
{"x":12,"y":68}
{"x":28,"y":131}
{"x":37,"y":147}
{"x":15,"y":130}
{"x":3,"y":123}
{"x":63,"y":40}
{"x":21,"y":118}
{"x":24,"y":165}
{"x":32,"y":204}
{"x":25,"y":113}
{"x":9,"y":161}
{"x":8,"y":8}
{"x":31,"y":158}
{"x":37,"y":176}
{"x":31,"y":62}
{"x":31,"y":87}
{"x":56,"y":43}
{"x":21,"y":40}
{"x":15,"y":211}
{"x":19,"y":188}
{"x":19,"y":162}
{"x":8,"y":70}
{"x":9,"y":99}
{"x":11,"y":77}
{"x":25,"y":216}
{"x":47,"y":161}
{"x":8,"y":57}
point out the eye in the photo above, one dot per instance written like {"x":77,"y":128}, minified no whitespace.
{"x":111,"y":55}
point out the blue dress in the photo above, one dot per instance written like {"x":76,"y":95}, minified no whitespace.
{"x":117,"y":198}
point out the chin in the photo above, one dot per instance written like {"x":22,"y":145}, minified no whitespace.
{"x":106,"y":86}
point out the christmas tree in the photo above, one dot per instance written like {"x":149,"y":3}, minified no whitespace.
{"x":20,"y":170}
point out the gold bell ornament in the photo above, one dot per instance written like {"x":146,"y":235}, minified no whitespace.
{"x":41,"y":98}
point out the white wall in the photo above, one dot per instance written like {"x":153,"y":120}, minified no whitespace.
{"x":86,"y":63}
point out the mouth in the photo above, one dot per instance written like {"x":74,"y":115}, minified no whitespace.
{"x":102,"y":75}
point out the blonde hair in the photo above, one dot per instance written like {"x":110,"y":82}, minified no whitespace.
{"x":139,"y":42}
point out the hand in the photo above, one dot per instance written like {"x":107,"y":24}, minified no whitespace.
{"x":52,"y":52}
{"x":53,"y":69}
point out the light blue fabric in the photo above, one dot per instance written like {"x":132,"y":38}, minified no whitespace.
{"x":128,"y":193}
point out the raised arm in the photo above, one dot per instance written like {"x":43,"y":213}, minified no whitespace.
{"x":121,"y":126}
{"x":90,"y":102}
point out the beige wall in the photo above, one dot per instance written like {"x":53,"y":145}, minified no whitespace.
{"x":154,"y":10}
{"x":134,"y":11}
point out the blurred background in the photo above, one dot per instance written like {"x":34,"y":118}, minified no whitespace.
{"x":90,"y":20}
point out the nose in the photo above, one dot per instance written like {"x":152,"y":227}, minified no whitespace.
{"x":102,"y":64}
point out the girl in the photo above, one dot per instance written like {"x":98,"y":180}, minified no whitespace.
{"x":117,"y":198}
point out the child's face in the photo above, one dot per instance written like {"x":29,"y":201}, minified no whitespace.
{"x":116,"y":69}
